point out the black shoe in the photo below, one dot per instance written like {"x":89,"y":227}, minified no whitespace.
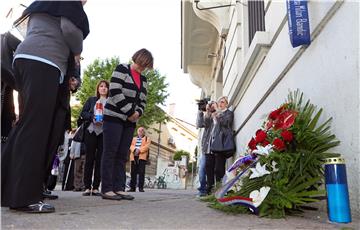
{"x":95,"y":193}
{"x":108,"y":197}
{"x":125,"y":197}
{"x":88,"y":193}
{"x":131,"y":190}
{"x":78,"y":190}
{"x":39,"y":207}
{"x":48,"y":195}
{"x":141,"y":190}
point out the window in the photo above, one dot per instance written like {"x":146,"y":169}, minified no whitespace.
{"x":256,"y":15}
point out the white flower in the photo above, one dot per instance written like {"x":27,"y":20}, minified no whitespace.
{"x":229,"y":176}
{"x":258,"y":197}
{"x":263,"y":150}
{"x":258,"y":171}
{"x":273,"y":166}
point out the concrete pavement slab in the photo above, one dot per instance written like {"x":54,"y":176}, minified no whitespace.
{"x":153,"y":209}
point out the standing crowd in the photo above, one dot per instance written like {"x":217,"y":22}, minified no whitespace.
{"x":45,"y":69}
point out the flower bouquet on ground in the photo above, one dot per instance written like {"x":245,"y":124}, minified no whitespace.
{"x":283,"y":168}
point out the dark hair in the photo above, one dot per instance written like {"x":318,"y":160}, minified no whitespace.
{"x":98,"y":85}
{"x":144,"y":58}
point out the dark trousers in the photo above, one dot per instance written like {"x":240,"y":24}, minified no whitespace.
{"x":94,"y":149}
{"x":117,"y":140}
{"x":137,"y":168}
{"x":24,"y":156}
{"x":56,"y":137}
{"x":215,"y":166}
{"x":79,"y":166}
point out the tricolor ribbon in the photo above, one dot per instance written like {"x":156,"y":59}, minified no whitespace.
{"x":239,"y":200}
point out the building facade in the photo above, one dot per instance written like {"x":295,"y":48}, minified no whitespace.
{"x":174,"y":135}
{"x":243,"y":51}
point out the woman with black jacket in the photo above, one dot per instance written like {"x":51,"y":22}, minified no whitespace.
{"x":93,"y":139}
{"x":215,"y":162}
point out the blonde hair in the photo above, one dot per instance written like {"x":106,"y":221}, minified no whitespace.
{"x":225,"y":98}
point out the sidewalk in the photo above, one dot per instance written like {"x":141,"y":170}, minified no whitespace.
{"x":154,"y":209}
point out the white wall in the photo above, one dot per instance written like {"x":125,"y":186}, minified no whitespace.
{"x":327,"y":72}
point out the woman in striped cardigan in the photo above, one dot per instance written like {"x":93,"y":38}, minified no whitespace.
{"x":125,"y":105}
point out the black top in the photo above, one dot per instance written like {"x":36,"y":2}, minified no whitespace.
{"x":72,"y":10}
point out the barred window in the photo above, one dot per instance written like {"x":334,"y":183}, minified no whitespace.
{"x":256,"y":15}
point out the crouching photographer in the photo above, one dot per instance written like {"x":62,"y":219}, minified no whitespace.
{"x":204,"y":120}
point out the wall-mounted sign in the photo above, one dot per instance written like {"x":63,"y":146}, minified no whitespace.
{"x":298,"y":20}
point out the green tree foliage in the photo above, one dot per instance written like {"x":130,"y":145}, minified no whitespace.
{"x":179,"y":153}
{"x":96,"y":71}
{"x":156,"y":95}
{"x":103,"y":69}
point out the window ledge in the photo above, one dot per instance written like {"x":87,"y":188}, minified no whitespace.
{"x":252,"y":61}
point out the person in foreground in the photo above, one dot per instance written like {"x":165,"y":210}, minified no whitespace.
{"x":124,"y":107}
{"x":54,"y":30}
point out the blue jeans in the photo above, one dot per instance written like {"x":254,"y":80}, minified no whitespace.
{"x":202,"y":174}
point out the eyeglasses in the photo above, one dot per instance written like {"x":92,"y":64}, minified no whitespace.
{"x":222,"y":101}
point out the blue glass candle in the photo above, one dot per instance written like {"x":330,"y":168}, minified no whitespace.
{"x":338,"y":205}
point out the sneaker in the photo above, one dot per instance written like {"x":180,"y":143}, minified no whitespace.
{"x":39,"y":207}
{"x":87,"y":192}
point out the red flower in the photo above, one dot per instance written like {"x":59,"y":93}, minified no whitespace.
{"x":252,"y":144}
{"x":279,"y":123}
{"x":288,"y":118}
{"x":285,"y":120}
{"x":260,"y":136}
{"x":274,"y":114}
{"x":278,"y":144}
{"x":265,"y":143}
{"x":287,"y":135}
{"x":269,"y":125}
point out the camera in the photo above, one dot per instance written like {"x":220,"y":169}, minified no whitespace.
{"x":202,"y":104}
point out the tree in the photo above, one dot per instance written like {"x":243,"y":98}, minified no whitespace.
{"x":96,"y":71}
{"x":103,"y":69}
{"x":179,"y":153}
{"x":156,"y":95}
